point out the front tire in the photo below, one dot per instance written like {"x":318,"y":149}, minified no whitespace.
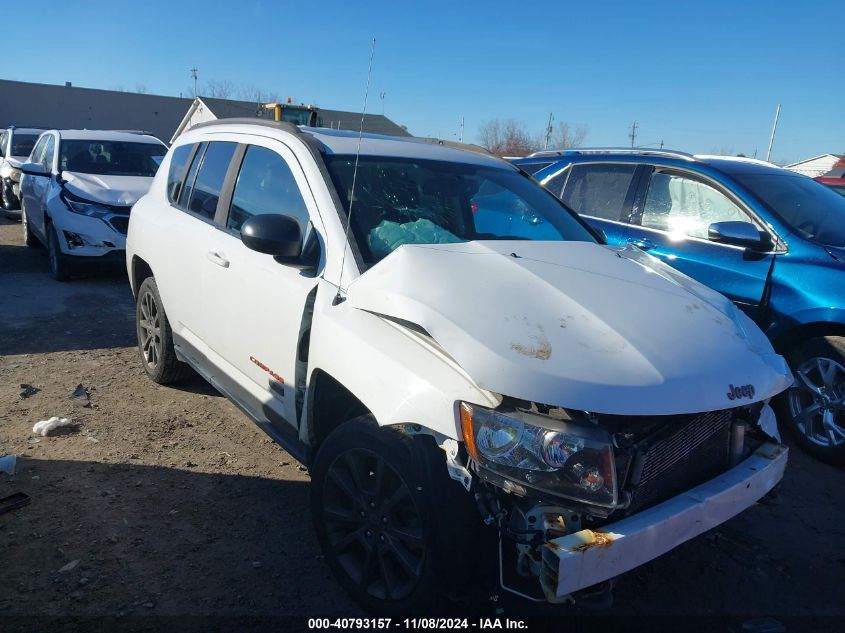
{"x":28,"y":237}
{"x":814,"y":407}
{"x":59,"y":265}
{"x":9,"y":200}
{"x":394,"y":528}
{"x":155,"y":337}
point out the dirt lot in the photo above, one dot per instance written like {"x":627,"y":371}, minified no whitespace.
{"x":169,"y":502}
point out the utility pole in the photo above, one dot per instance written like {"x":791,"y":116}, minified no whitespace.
{"x":661,"y":143}
{"x":461,"y":137}
{"x":381,"y":96}
{"x":633,"y":134}
{"x":774,"y":129}
{"x":194,"y":74}
{"x":549,"y":130}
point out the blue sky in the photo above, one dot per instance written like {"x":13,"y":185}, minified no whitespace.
{"x":700,"y":76}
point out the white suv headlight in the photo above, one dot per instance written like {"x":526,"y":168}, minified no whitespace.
{"x":84,"y":207}
{"x":550,"y":455}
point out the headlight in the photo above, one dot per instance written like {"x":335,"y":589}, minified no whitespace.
{"x":553,"y":456}
{"x":85,"y":207}
{"x":15,"y":174}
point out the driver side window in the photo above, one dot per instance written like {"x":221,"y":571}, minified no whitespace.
{"x":266,"y":185}
{"x":38,"y":150}
{"x":686,"y":206}
{"x":49,"y":153}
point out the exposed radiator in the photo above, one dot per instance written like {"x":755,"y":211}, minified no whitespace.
{"x":691,"y":452}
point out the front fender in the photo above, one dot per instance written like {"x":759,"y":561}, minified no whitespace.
{"x":399,"y":375}
{"x":783,"y":328}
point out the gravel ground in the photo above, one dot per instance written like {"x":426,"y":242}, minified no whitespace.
{"x":163,"y":501}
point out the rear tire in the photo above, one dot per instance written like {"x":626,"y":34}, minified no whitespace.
{"x":155,"y":337}
{"x":59,"y":265}
{"x":813,"y":409}
{"x":395,"y":529}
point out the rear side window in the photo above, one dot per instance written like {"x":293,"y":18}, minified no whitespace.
{"x":599,"y":190}
{"x":204,"y":193}
{"x":176,"y":175}
{"x":265,"y":185}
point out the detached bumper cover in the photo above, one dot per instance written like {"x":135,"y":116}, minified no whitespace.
{"x":588,"y":557}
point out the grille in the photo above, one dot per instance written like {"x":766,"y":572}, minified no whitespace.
{"x":679,"y":459}
{"x":120,"y":224}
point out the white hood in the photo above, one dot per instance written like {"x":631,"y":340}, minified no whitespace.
{"x":114,"y":190}
{"x":577,"y":325}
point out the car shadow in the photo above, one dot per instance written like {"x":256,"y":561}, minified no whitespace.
{"x":196,"y":384}
{"x":124,"y":539}
{"x":40,"y":314}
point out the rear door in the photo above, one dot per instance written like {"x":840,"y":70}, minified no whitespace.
{"x":196,"y":177}
{"x":603,"y":193}
{"x":675,"y":210}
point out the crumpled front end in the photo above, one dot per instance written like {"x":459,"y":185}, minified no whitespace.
{"x":588,"y":557}
{"x":581,"y":512}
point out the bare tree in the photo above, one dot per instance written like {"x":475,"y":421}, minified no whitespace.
{"x":219,"y":89}
{"x":141,"y":88}
{"x":567,"y":136}
{"x":506,"y":138}
{"x":256,"y":94}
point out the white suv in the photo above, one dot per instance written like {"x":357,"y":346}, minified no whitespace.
{"x":77,"y":190}
{"x":16,"y":144}
{"x":472,"y":380}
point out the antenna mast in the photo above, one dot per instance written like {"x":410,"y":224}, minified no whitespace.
{"x":338,"y":298}
{"x":774,"y":129}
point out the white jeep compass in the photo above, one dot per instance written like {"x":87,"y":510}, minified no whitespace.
{"x":478,"y":387}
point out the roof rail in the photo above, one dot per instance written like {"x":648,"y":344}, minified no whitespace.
{"x":636,"y":151}
{"x":144,"y":132}
{"x":469,"y":147}
{"x":285,"y":126}
{"x":738,"y":159}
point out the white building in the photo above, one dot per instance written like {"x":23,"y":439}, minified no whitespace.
{"x":820,"y":166}
{"x":210,"y":109}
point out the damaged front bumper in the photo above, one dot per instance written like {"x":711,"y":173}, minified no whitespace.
{"x":589,"y":557}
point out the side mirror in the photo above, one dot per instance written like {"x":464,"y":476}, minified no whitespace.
{"x":276,"y":235}
{"x":739,"y":234}
{"x":34,"y":169}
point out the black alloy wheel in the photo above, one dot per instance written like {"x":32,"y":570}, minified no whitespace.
{"x":373,"y":525}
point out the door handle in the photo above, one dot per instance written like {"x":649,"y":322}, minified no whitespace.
{"x":642,"y":244}
{"x":216,"y":258}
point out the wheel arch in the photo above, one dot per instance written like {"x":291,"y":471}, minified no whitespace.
{"x":786,"y":341}
{"x":140,"y":271}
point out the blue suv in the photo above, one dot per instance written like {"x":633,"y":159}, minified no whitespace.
{"x":771,"y":240}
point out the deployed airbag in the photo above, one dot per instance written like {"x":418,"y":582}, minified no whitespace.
{"x":388,"y":236}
